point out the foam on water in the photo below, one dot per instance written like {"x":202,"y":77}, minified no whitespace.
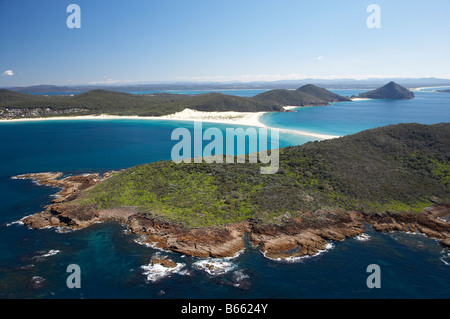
{"x":214,"y":267}
{"x":157,"y":272}
{"x":300,"y":258}
{"x":44,"y":254}
{"x":445,"y":257}
{"x":363,"y":237}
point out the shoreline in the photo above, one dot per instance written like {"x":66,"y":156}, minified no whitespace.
{"x":293,"y":240}
{"x":420,"y":89}
{"x":233,"y":118}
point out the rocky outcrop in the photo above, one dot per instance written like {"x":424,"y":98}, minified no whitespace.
{"x":163,"y":262}
{"x":71,"y":186}
{"x":307,"y":234}
{"x":62,"y":212}
{"x":214,"y":242}
{"x":303,"y":235}
{"x":428,"y":223}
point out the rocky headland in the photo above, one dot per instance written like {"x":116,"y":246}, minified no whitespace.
{"x":288,"y":237}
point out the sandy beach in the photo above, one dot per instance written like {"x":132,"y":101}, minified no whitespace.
{"x":233,"y":118}
{"x":360,"y":99}
{"x":420,"y":89}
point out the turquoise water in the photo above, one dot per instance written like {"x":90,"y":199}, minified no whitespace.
{"x":33,"y":262}
{"x":351,"y":117}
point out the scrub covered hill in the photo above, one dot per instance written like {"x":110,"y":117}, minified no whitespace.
{"x":95,"y":102}
{"x":398,"y":169}
{"x":307,"y":95}
{"x":323,"y":94}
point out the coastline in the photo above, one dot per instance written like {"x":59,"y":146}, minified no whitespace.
{"x":420,"y":89}
{"x":233,"y":118}
{"x":307,"y":234}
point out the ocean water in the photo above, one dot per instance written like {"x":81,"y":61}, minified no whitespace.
{"x":351,"y":117}
{"x":113,"y":264}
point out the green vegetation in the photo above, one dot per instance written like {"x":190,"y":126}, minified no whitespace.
{"x":398,"y":168}
{"x":289,"y":98}
{"x":95,"y":102}
{"x":323,"y":94}
{"x":307,"y":95}
{"x":390,"y":91}
{"x":119,"y":103}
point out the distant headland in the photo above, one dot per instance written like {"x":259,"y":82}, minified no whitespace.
{"x":15,"y":105}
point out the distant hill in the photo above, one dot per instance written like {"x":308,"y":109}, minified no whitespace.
{"x":11,"y":96}
{"x":282,"y":84}
{"x":289,"y":98}
{"x":221,"y":102}
{"x":99,"y":101}
{"x":444,"y":91}
{"x":391,"y":90}
{"x":322,"y":94}
{"x":118,"y":103}
{"x":43,"y":89}
{"x":307,"y":95}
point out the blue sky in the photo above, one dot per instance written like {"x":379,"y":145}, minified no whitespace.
{"x":151,"y":41}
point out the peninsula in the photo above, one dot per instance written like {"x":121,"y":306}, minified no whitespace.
{"x":395,"y":178}
{"x":14,"y":105}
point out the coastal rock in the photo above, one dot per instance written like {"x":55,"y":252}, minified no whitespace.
{"x":164,"y":262}
{"x":446,"y":243}
{"x":299,"y":237}
{"x":427,"y":223}
{"x":201,"y":242}
{"x":67,"y":215}
{"x":305,"y":234}
{"x":70,"y":186}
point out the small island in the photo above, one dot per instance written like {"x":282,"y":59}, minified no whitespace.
{"x":394,"y":178}
{"x":391,"y":91}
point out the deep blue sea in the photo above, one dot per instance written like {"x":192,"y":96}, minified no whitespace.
{"x":33,"y":263}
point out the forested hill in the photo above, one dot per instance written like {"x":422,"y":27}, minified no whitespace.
{"x":14,"y":105}
{"x":307,"y":95}
{"x":397,"y":169}
{"x":391,"y":90}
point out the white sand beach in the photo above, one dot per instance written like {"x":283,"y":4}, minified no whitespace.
{"x":234,"y":118}
{"x":428,"y":87}
{"x":360,"y":99}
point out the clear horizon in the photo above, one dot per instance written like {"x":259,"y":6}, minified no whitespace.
{"x":137,"y":42}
